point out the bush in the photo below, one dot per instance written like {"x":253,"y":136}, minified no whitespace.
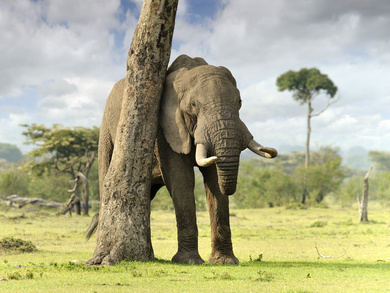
{"x":14,"y":181}
{"x":11,"y":244}
{"x":379,"y":186}
{"x":50,"y":187}
{"x":162,"y":200}
{"x":349,"y":190}
{"x":261,"y":187}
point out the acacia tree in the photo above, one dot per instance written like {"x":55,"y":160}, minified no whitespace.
{"x":306,"y":85}
{"x":126,"y":192}
{"x":325,"y":174}
{"x":63,"y":150}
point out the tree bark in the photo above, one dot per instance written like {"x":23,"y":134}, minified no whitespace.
{"x":363,"y":204}
{"x":124,"y":216}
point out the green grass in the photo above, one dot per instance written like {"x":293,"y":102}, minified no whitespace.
{"x":277,"y":249}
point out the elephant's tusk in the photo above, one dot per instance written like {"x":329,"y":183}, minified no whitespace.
{"x":201,"y":156}
{"x":260,"y":150}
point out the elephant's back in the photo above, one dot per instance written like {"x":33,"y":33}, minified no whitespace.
{"x":114,"y":100}
{"x":113,"y":107}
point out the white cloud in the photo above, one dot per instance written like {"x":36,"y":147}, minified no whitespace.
{"x":61,"y":59}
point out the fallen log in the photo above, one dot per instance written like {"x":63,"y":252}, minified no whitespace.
{"x":18,"y":201}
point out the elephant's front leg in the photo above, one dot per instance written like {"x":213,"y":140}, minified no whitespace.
{"x":178,"y":174}
{"x":221,"y":238}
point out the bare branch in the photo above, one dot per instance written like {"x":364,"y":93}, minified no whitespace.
{"x":69,"y":166}
{"x":82,"y":176}
{"x":327,"y":256}
{"x":368,"y":173}
{"x":330,"y":102}
{"x":73,"y":198}
{"x":76,"y":184}
{"x":323,"y":256}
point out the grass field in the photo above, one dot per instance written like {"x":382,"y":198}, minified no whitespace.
{"x":355,"y":257}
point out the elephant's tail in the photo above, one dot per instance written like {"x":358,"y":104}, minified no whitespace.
{"x":92,"y":227}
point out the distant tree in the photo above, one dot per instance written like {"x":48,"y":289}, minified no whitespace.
{"x":381,"y":159}
{"x":10,"y":152}
{"x":323,"y":176}
{"x":63,"y":150}
{"x":349,"y":189}
{"x":306,"y":85}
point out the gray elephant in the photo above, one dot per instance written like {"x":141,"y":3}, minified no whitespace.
{"x":199,"y":126}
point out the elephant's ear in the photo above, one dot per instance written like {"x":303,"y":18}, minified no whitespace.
{"x":171,"y":119}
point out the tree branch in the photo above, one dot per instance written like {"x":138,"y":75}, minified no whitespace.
{"x":323,"y":256}
{"x":368,"y":173}
{"x":330,"y":102}
{"x":326,"y":256}
{"x":69,"y":166}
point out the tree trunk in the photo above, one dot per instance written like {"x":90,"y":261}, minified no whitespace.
{"x":308,"y":131}
{"x":363,"y":204}
{"x":84,"y":176}
{"x":305,"y":193}
{"x":84,"y":193}
{"x":77,"y":204}
{"x":124,"y":216}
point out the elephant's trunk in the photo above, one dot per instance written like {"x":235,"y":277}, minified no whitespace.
{"x":227,"y":166}
{"x":224,"y":142}
{"x":227,"y":170}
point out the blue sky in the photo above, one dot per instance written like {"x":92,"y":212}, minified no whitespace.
{"x":60,"y":59}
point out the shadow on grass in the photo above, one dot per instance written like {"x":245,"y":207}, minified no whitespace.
{"x":346,"y":264}
{"x":343,"y":264}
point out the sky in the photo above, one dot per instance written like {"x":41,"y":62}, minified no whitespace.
{"x":60,"y":58}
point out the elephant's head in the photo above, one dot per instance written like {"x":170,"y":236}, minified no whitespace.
{"x":200,"y":106}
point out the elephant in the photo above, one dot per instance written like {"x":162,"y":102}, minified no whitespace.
{"x":199,"y":125}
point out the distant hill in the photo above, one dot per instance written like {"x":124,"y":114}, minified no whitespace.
{"x":356,"y":158}
{"x":10,"y":153}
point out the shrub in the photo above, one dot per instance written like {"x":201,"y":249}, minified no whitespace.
{"x":11,"y":244}
{"x":13,"y":181}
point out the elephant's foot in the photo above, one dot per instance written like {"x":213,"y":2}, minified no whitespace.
{"x":223,"y":259}
{"x":188,"y":257}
